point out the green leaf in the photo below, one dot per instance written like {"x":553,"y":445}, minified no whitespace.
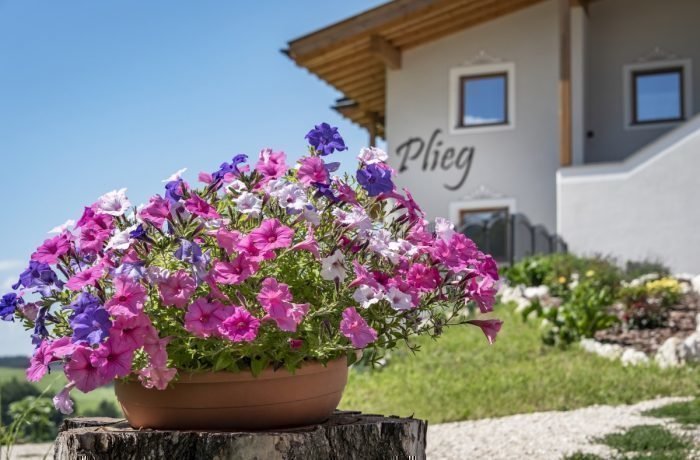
{"x":224,"y":361}
{"x":258,"y":364}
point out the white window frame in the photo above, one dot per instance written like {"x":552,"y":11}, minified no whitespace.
{"x":456,"y":207}
{"x":627,"y":75}
{"x":456,"y":75}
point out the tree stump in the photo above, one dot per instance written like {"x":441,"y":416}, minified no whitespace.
{"x":347,"y":435}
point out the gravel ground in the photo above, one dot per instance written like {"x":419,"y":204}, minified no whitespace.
{"x":29,"y":452}
{"x":541,"y":435}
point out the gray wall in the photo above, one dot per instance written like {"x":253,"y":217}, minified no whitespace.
{"x":520,"y":162}
{"x":619,"y":32}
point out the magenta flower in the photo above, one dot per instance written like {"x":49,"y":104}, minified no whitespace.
{"x":354,"y":327}
{"x":228,"y":240}
{"x":483,"y":292}
{"x":62,"y":401}
{"x":128,"y":299}
{"x":309,"y":244}
{"x":273,"y":292}
{"x":444,"y":252}
{"x":241,"y":326}
{"x":83,"y":372}
{"x":177,"y":289}
{"x":287,"y":315}
{"x":157,"y":376}
{"x":52,"y":249}
{"x":156,"y":348}
{"x":156,"y":212}
{"x":363,"y":277}
{"x":249,"y":248}
{"x":93,"y":238}
{"x":312,"y":170}
{"x":234,"y":272}
{"x":47,"y":353}
{"x":203,"y":318}
{"x":271,"y":235}
{"x":132,"y":331}
{"x":87,"y":277}
{"x":422,"y":277}
{"x":490,"y":327}
{"x":113,"y":359}
{"x":201,"y":208}
{"x":271,"y":164}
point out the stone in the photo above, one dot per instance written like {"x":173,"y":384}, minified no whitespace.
{"x":347,"y":435}
{"x":632,"y":357}
{"x":668,"y":354}
{"x":690,"y":349}
{"x":606,"y":350}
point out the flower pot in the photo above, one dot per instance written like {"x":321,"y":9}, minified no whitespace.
{"x":237,"y":401}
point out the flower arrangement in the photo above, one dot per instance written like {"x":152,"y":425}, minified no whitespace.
{"x":264,"y":265}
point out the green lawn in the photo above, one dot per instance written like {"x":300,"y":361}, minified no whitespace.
{"x":461,"y":377}
{"x":56,"y":381}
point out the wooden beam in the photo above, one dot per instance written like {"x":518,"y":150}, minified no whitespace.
{"x":388,"y":53}
{"x":565,"y":136}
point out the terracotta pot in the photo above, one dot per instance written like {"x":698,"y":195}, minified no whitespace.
{"x":237,"y":401}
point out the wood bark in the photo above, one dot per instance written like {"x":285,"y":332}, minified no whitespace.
{"x":347,"y":435}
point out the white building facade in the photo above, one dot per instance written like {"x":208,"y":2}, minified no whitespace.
{"x":578,"y":114}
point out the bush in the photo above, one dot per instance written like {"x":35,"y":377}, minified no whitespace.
{"x":637,"y":268}
{"x":104,"y":409}
{"x":645,"y":302}
{"x":11,"y":391}
{"x":33,"y":419}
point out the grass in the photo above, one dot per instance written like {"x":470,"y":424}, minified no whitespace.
{"x":56,"y":380}
{"x":649,"y":442}
{"x":685,"y":413}
{"x":460,"y":377}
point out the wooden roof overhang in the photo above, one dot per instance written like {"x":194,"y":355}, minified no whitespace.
{"x":352,"y":55}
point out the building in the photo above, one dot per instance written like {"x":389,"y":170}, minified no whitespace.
{"x":579,"y":114}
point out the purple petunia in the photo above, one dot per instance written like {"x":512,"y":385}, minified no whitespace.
{"x":39,"y":276}
{"x":325,"y":139}
{"x":375,"y":179}
{"x":85,"y":301}
{"x":174,"y":190}
{"x":8,"y":305}
{"x":229,"y":168}
{"x":91,"y":326}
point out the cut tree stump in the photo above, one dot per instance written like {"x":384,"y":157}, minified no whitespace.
{"x":347,"y":435}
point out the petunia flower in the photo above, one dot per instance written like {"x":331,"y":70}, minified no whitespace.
{"x":113,"y":359}
{"x":375,"y":179}
{"x":271,"y":165}
{"x":157,"y":377}
{"x":9,"y":303}
{"x":312,"y":169}
{"x":62,"y":401}
{"x":81,"y":370}
{"x":309,"y":244}
{"x":367,"y":296}
{"x":114,"y":203}
{"x":271,"y":235}
{"x":234,"y":272}
{"x":490,"y":327}
{"x":325,"y":139}
{"x":156,"y":212}
{"x":177,"y":289}
{"x":444,"y":229}
{"x":240,"y":326}
{"x":91,"y":326}
{"x":52,"y":249}
{"x":87,"y":277}
{"x":203,"y":318}
{"x":372,"y":155}
{"x":201,"y":208}
{"x":228,"y":240}
{"x":482,"y":292}
{"x":333,"y":267}
{"x":248,"y":203}
{"x":354,"y":327}
{"x":128,"y":299}
{"x":399,"y":300}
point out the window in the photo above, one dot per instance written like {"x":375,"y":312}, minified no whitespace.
{"x":657,"y":95}
{"x":488,"y":228}
{"x":481,"y":98}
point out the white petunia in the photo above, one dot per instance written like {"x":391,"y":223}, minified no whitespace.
{"x":121,"y":240}
{"x":237,"y":186}
{"x":175,"y":176}
{"x":311,"y":215}
{"x":114,"y":203}
{"x":63,"y":227}
{"x":444,"y":228}
{"x":372,"y":155}
{"x":275,"y":187}
{"x":398,"y":300}
{"x":367,"y":296}
{"x":333,"y":267}
{"x":292,"y":197}
{"x":379,"y":240}
{"x":356,"y":218}
{"x":248,"y":203}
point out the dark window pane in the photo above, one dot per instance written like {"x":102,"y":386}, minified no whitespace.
{"x":484,"y":100}
{"x":488,"y":228}
{"x":658,"y":96}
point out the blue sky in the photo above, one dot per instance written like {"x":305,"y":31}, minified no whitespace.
{"x":102,"y":95}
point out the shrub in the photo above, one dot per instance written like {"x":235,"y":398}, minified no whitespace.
{"x":645,"y":302}
{"x":637,"y":268}
{"x":33,"y":419}
{"x":11,"y":391}
{"x":104,"y":409}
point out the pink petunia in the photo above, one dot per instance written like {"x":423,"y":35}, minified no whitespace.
{"x":156,"y":212}
{"x":483,"y":292}
{"x":128,"y":299}
{"x":234,"y":272}
{"x":312,"y":170}
{"x":228,"y":240}
{"x":83,"y":372}
{"x":52,"y":249}
{"x":271,"y":235}
{"x":177,"y":289}
{"x":47,"y":353}
{"x":240,"y":326}
{"x":201,"y":208}
{"x":271,"y":165}
{"x":272,"y":292}
{"x":490,"y":327}
{"x":92,"y":238}
{"x":443,"y":252}
{"x":275,"y":299}
{"x":423,"y":278}
{"x":113,"y":359}
{"x":132,"y":331}
{"x":203,"y":318}
{"x":309,"y":244}
{"x":156,"y":348}
{"x":157,"y":376}
{"x":354,"y":327}
{"x":363,"y":277}
{"x":62,"y":401}
{"x":87,"y":277}
{"x":247,"y":247}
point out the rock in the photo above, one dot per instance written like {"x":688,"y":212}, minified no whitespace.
{"x":668,"y":354}
{"x":606,"y":350}
{"x":695,"y":282}
{"x":632,"y":357}
{"x":697,"y":323}
{"x":690,"y":349}
{"x":347,"y":435}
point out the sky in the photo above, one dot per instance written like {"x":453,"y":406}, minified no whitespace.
{"x":96,"y":96}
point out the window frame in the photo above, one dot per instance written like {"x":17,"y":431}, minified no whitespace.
{"x":630,"y":74}
{"x":456,"y":104}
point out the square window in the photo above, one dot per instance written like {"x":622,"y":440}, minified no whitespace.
{"x":488,"y":228}
{"x":657,"y":95}
{"x":483,"y":100}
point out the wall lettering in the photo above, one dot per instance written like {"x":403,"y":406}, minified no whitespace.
{"x":415,"y":149}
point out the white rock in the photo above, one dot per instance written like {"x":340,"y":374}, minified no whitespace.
{"x":690,"y":349}
{"x":632,"y":357}
{"x":606,"y":350}
{"x":668,"y":354}
{"x":536,"y":292}
{"x":696,"y":284}
{"x":697,"y":322}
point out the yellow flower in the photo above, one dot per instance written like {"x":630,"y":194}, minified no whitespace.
{"x":562,"y":279}
{"x":590,"y":273}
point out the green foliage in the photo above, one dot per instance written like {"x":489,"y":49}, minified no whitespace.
{"x":583,"y":312}
{"x":457,"y":378}
{"x":649,"y":441}
{"x":12,"y":391}
{"x":637,"y":268}
{"x":645,"y":304}
{"x":33,"y":418}
{"x":686,"y":413}
{"x":582,"y":456}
